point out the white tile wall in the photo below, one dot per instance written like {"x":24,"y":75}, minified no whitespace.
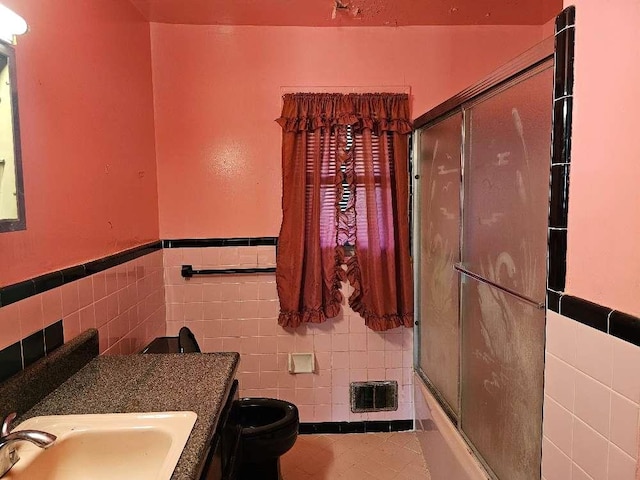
{"x":125,"y":303}
{"x":240,"y":313}
{"x":592,"y":404}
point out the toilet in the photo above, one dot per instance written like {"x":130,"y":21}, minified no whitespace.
{"x":268,"y":429}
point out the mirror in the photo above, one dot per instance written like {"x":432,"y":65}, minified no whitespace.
{"x":12,"y":214}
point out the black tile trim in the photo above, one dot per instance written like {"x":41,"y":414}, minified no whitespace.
{"x":585,"y":312}
{"x":557,"y":259}
{"x":19,"y":291}
{"x":33,"y":348}
{"x":564,"y":57}
{"x":553,"y":300}
{"x":105,"y":263}
{"x":618,"y":324}
{"x":26,"y":388}
{"x":53,"y":337}
{"x":560,"y":155}
{"x":49,"y":281}
{"x":220,"y":242}
{"x":72,"y":274}
{"x":10,"y":361}
{"x":559,"y":198}
{"x":566,"y":18}
{"x":30,"y":349}
{"x":356,"y":427}
{"x":625,"y":327}
{"x":16,"y":292}
{"x":562,"y":128}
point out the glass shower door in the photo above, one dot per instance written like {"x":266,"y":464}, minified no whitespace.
{"x":506,"y":185}
{"x":481,"y":274}
{"x":439,"y":351}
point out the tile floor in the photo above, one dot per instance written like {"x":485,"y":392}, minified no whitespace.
{"x":360,"y":456}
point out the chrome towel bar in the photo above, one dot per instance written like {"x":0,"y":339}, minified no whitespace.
{"x":458,"y":267}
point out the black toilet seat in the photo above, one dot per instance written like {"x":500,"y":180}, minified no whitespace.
{"x":287,"y":413}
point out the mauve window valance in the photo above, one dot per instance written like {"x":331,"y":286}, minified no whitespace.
{"x":380,"y":113}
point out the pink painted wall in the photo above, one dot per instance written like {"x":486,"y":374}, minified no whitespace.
{"x":217,"y":91}
{"x":603,"y":257}
{"x":592,"y":387}
{"x":548,"y":29}
{"x":86,"y":115}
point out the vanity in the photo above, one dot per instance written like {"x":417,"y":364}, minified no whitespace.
{"x":199,"y":383}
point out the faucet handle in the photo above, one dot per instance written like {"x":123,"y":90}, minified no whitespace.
{"x":6,"y":424}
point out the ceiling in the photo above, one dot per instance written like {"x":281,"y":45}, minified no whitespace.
{"x":323,"y":13}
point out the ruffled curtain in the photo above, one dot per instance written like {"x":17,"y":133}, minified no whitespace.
{"x":327,"y":138}
{"x":378,"y":112}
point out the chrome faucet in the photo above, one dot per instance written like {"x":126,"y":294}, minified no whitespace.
{"x":8,"y":454}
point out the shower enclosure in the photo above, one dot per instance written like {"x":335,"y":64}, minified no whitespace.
{"x":480,"y":222}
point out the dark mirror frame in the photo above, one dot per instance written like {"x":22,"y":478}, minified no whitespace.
{"x":11,"y":225}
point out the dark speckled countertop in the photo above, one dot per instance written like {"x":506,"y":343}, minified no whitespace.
{"x":151,"y":383}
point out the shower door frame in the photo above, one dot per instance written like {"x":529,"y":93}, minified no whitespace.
{"x":531,"y":62}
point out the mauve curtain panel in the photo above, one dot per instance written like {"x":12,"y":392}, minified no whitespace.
{"x":332,"y":143}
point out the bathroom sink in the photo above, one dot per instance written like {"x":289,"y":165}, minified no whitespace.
{"x":141,"y":446}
